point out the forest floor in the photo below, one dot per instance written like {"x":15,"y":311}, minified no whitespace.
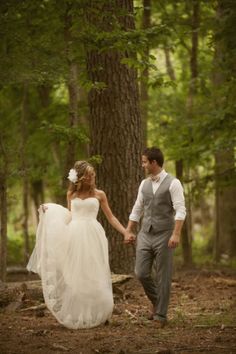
{"x":202,"y":319}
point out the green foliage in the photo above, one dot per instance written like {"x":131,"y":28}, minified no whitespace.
{"x":95,"y":159}
{"x":40,"y":40}
{"x":15,"y":251}
{"x":15,"y":248}
{"x":62,"y":133}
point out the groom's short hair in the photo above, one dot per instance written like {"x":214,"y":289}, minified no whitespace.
{"x":154,"y":154}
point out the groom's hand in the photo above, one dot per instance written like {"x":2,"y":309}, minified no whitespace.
{"x":129,"y":237}
{"x":174,"y":240}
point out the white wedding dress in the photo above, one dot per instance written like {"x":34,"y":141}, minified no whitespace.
{"x":71,"y":257}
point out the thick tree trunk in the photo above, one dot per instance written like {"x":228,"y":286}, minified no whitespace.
{"x":146,"y":23}
{"x":3,"y":213}
{"x":115,"y":127}
{"x":25,"y":189}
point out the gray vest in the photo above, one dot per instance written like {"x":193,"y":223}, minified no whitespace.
{"x":158,"y":208}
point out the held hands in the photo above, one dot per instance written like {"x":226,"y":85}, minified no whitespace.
{"x":129,"y":237}
{"x":174,"y":240}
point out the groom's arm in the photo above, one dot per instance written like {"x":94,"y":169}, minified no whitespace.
{"x":132,"y":226}
{"x":177,"y":197}
{"x":136,"y":212}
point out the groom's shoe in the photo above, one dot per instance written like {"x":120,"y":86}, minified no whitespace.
{"x":151,"y":314}
{"x":159,"y":323}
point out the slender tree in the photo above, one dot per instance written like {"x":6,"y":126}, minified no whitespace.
{"x":72,"y":86}
{"x":3,"y":208}
{"x":146,"y":23}
{"x":195,"y":25}
{"x":24,"y":170}
{"x":223,"y":77}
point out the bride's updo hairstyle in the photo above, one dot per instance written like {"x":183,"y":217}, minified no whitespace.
{"x":81,"y":170}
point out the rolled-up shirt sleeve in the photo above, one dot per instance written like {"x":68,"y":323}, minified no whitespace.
{"x":137,"y":210}
{"x":177,"y":197}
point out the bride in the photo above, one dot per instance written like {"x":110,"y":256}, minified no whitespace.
{"x":71,"y":253}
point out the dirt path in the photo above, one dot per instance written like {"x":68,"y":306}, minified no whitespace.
{"x":202,"y":319}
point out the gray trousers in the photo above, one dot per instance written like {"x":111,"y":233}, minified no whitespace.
{"x":152,"y":249}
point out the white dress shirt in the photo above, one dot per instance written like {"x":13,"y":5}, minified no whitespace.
{"x":176,"y":193}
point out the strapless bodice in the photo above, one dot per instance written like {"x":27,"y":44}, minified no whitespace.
{"x":84,"y":208}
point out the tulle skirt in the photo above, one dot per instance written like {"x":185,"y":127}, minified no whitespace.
{"x":71,"y":257}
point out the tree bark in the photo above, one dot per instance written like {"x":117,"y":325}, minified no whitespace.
{"x":146,"y":23}
{"x":37,"y":185}
{"x":187,"y":226}
{"x":72,"y":86}
{"x":37,"y":194}
{"x":72,"y":120}
{"x":3,"y":212}
{"x":179,"y":170}
{"x":169,"y":66}
{"x":24,"y":167}
{"x":115,"y":128}
{"x":187,"y":229}
{"x":225,"y":175}
{"x":225,"y":204}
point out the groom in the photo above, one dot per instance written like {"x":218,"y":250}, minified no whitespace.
{"x":160,"y":201}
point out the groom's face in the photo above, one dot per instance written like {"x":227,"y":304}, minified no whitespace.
{"x":150,"y":167}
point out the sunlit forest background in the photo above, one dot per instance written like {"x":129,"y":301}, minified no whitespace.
{"x":100,"y":80}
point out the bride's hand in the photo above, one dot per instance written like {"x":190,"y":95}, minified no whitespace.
{"x":129,"y":237}
{"x":43,"y":208}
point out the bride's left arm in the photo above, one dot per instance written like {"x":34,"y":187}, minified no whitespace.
{"x":112,"y":219}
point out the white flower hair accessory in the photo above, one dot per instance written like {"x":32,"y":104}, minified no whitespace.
{"x":73,"y":175}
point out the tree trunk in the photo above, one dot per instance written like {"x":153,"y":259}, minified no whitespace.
{"x":37,"y":186}
{"x":187,"y":230}
{"x":146,"y":23}
{"x":3,"y":213}
{"x":25,"y":190}
{"x":37,"y":194}
{"x":218,"y":248}
{"x":115,"y":127}
{"x":72,"y":120}
{"x":225,"y":191}
{"x":169,"y":66}
{"x":72,"y":86}
{"x":187,"y":227}
{"x":179,"y":170}
{"x":83,"y":119}
{"x":44,"y":95}
{"x":225,"y":204}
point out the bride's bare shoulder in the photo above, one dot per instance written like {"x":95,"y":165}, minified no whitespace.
{"x":100,"y":194}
